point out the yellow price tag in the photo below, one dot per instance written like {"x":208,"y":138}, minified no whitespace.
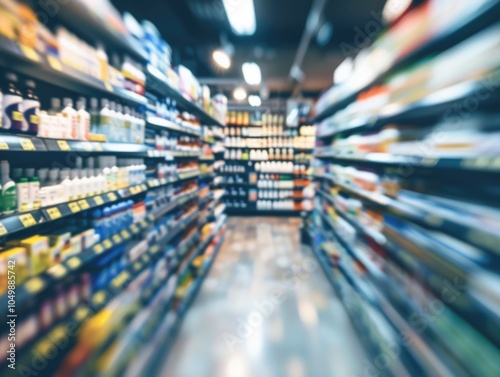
{"x":58,"y":271}
{"x":98,"y":147}
{"x":54,"y":63}
{"x":112,"y":196}
{"x":3,"y":230}
{"x":108,"y":86}
{"x":3,"y":144}
{"x":98,"y":200}
{"x":27,"y":144}
{"x":34,"y":285}
{"x":74,"y":263}
{"x":27,"y":220}
{"x":81,"y":313}
{"x":125,"y":234}
{"x":98,"y":249}
{"x":133,"y":190}
{"x":107,"y":244}
{"x":30,"y":53}
{"x":117,"y":239}
{"x":134,"y":229}
{"x":84,"y":205}
{"x":137,"y":266}
{"x":163,"y":181}
{"x":143,"y":223}
{"x":63,"y":145}
{"x":99,"y":298}
{"x":54,"y":213}
{"x":74,"y":207}
{"x":155,"y":249}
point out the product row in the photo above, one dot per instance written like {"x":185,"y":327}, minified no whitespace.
{"x":299,"y":142}
{"x":260,"y":154}
{"x":281,"y":167}
{"x":25,"y":189}
{"x":239,"y":118}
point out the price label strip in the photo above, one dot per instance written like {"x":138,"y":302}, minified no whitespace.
{"x":98,"y":249}
{"x":3,"y":230}
{"x":117,"y":239}
{"x":107,"y":244}
{"x":125,"y":234}
{"x":27,"y":220}
{"x":112,"y":196}
{"x":74,"y":207}
{"x":54,"y":213}
{"x":84,"y":204}
{"x":63,"y":145}
{"x":27,"y":144}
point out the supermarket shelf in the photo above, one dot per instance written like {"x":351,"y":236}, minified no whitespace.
{"x":453,"y":225}
{"x":160,"y":123}
{"x":20,"y":221}
{"x":207,"y":176}
{"x":51,"y":70}
{"x":302,"y":162}
{"x":430,"y":108}
{"x":472,"y":164}
{"x":175,"y":203}
{"x":92,"y":25}
{"x":360,"y":228}
{"x":158,"y":82}
{"x":476,"y":21}
{"x":36,"y":285}
{"x":262,"y":136}
{"x":267,"y":148}
{"x":208,"y":140}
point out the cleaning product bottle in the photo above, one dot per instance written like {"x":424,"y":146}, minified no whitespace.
{"x":83,"y":120}
{"x":56,"y":126}
{"x":94,"y":116}
{"x":105,"y":119}
{"x":12,"y":105}
{"x":67,"y":185}
{"x":33,"y":189}
{"x":71,"y":116}
{"x":9,"y":194}
{"x":31,"y":109}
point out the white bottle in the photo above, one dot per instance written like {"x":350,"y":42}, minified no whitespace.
{"x":67,"y":185}
{"x":83,"y":117}
{"x":71,"y":116}
{"x":33,"y":189}
{"x":54,"y":189}
{"x":76,"y":193}
{"x":106,"y":124}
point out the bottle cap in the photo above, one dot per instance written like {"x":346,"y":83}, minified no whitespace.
{"x":11,"y":77}
{"x":30,"y":84}
{"x":68,"y":102}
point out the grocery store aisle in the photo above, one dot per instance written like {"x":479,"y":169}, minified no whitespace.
{"x":266,"y":310}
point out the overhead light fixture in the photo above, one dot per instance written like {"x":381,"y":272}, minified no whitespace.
{"x":252,"y":74}
{"x":240,"y":94}
{"x":222,"y":59}
{"x":254,"y":101}
{"x":241,"y":16}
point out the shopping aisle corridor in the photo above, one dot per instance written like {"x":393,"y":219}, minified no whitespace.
{"x":265,"y":310}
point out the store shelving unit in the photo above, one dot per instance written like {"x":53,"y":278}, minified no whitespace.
{"x":244,"y":195}
{"x":174,"y":242}
{"x":393,"y":232}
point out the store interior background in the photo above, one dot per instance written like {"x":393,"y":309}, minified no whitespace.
{"x":334,"y":211}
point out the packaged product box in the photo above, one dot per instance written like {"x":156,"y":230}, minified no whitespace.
{"x":19,"y":256}
{"x":37,"y":248}
{"x":75,"y":247}
{"x":88,"y":239}
{"x":59,"y":244}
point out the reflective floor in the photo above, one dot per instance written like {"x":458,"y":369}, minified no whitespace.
{"x":265,"y":310}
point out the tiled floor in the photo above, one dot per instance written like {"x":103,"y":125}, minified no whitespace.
{"x":265,"y":310}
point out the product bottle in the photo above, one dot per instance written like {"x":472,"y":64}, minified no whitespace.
{"x":83,"y":120}
{"x":56,"y":126}
{"x":105,"y":119}
{"x":31,"y":109}
{"x":54,"y":188}
{"x":9,"y":195}
{"x":12,"y":105}
{"x":67,"y":185}
{"x":71,"y":116}
{"x":103,"y":62}
{"x":75,"y":185}
{"x":33,"y":189}
{"x":94,"y":116}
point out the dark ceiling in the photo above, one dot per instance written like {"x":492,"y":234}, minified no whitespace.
{"x":195,"y":27}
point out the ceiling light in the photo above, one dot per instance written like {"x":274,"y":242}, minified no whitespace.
{"x":241,"y":16}
{"x":254,"y":101}
{"x":252,"y":74}
{"x":222,"y":59}
{"x":240,"y":94}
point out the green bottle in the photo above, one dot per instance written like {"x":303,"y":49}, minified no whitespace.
{"x":8,"y":200}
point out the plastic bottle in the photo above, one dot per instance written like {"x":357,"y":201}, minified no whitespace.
{"x":67,"y":185}
{"x":71,"y":116}
{"x":105,"y":119}
{"x":103,"y":62}
{"x":8,"y":202}
{"x":22,"y":189}
{"x":83,"y":120}
{"x":12,"y":105}
{"x":57,"y":124}
{"x":54,"y":188}
{"x":31,"y":109}
{"x":33,"y":189}
{"x":75,"y":184}
{"x":95,"y":125}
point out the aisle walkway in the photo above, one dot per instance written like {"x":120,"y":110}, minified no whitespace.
{"x":266,"y":310}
